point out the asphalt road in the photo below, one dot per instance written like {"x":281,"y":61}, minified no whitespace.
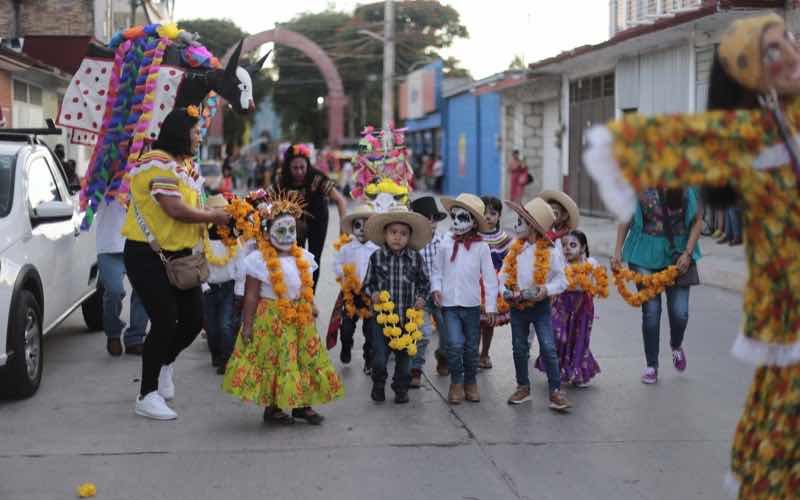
{"x":622,"y":439}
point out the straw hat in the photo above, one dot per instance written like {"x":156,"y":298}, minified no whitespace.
{"x":421,"y":231}
{"x":537,"y":213}
{"x":360,"y":212}
{"x":471,"y":203}
{"x":216,"y":201}
{"x":565,"y":201}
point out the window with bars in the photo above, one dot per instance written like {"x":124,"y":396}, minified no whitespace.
{"x":593,"y":87}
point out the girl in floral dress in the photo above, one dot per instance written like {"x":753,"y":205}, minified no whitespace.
{"x":279,"y":361}
{"x":573,"y":314}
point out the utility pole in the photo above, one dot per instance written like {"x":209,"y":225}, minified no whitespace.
{"x":388,"y":63}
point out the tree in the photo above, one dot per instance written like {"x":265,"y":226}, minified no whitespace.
{"x":218,"y":35}
{"x":422,"y":28}
{"x":517,"y":63}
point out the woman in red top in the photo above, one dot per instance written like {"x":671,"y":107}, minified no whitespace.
{"x":518,"y":172}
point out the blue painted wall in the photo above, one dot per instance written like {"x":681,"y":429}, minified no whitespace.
{"x":471,"y":129}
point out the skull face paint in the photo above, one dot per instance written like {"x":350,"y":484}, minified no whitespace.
{"x":521,"y":227}
{"x":359,"y":229}
{"x":573,"y":250}
{"x":283,"y":233}
{"x":463,"y":221}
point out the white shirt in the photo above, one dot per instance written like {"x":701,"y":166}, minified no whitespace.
{"x":459,"y":280}
{"x":356,"y":253}
{"x":247,"y":248}
{"x":109,"y":221}
{"x":228,"y":272}
{"x":255,"y":266}
{"x":556,"y":278}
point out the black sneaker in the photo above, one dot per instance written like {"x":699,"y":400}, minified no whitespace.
{"x":345,"y":355}
{"x":378,"y":394}
{"x":401,"y":398}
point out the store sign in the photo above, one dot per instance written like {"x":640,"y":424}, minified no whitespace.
{"x":417,"y":94}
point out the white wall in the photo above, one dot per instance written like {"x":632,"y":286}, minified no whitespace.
{"x":656,"y":82}
{"x":551,"y":155}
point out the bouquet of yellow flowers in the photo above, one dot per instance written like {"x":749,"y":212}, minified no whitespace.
{"x":405,"y":338}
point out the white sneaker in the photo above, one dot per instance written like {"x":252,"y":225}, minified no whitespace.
{"x":166,"y":388}
{"x":153,"y":406}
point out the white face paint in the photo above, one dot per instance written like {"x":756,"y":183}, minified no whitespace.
{"x":463,"y":221}
{"x":359,"y":229}
{"x":573,"y":250}
{"x":521,"y":227}
{"x":283,"y":233}
{"x":245,"y":87}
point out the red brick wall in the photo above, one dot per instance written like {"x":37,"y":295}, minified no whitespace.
{"x":49,"y":17}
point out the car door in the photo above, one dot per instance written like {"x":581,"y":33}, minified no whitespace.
{"x":51,"y":242}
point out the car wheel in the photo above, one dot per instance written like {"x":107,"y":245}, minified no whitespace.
{"x":23,"y":373}
{"x":92,"y":309}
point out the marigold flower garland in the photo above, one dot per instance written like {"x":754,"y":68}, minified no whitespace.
{"x":351,"y":285}
{"x":650,"y":285}
{"x":246,"y":223}
{"x":301,"y":311}
{"x":541,"y":268}
{"x":343,"y":240}
{"x":215,"y":260}
{"x":401,"y":339}
{"x":589,"y":278}
{"x":86,"y":490}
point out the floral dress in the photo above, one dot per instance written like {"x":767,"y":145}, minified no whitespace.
{"x":284,"y":365}
{"x":742,"y":148}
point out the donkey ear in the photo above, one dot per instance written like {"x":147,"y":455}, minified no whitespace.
{"x":255,"y":68}
{"x":233,"y":62}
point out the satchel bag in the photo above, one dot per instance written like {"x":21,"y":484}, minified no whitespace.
{"x":691,"y":277}
{"x":184,"y":273}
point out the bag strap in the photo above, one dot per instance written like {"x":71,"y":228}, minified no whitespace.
{"x":151,"y":239}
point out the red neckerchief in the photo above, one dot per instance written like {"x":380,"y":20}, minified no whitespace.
{"x":466,"y":239}
{"x":554,"y":235}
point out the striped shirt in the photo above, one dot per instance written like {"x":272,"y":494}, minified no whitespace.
{"x":402,"y":274}
{"x":430,"y":251}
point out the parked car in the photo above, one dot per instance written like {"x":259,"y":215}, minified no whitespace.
{"x":48,"y":266}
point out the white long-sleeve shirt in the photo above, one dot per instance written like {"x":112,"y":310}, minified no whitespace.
{"x":228,"y":272}
{"x":556,"y":278}
{"x":356,"y":253}
{"x":246,"y":249}
{"x":459,"y":280}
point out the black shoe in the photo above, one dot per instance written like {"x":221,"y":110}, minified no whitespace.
{"x":134,"y":350}
{"x":378,"y":394}
{"x":401,"y":398}
{"x":215,"y":361}
{"x":307,"y":414}
{"x":345,"y":356}
{"x":114,"y":347}
{"x":221,"y":369}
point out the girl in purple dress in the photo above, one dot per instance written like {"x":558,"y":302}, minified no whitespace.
{"x":573,"y":314}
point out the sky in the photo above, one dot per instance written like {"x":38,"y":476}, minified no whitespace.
{"x":499,"y":29}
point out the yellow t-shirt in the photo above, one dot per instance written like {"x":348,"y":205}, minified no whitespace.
{"x":158,"y":173}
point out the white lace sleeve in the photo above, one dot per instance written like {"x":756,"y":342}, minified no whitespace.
{"x":598,"y":157}
{"x":311,"y":260}
{"x":255,"y":266}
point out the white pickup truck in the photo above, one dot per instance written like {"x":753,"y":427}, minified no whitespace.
{"x":48,"y":266}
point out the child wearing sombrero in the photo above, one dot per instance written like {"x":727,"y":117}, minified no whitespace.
{"x":354,"y":257}
{"x":464,"y":260}
{"x":532,"y":273}
{"x":397,"y":268}
{"x":566,"y":211}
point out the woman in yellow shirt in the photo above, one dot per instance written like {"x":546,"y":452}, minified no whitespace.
{"x":165,"y":195}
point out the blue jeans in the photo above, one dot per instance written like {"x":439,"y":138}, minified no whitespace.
{"x":678,"y":311}
{"x":521,"y":321}
{"x":220,"y":327}
{"x":112,"y":271}
{"x":733,"y":223}
{"x":432,"y":314}
{"x":463,"y":327}
{"x":380,"y":358}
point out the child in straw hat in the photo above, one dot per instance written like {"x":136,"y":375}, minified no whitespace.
{"x":464,"y":260}
{"x":396,"y":271}
{"x":351,"y":262}
{"x":533,"y":271}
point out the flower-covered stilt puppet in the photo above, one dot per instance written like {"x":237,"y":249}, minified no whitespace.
{"x":751,"y":151}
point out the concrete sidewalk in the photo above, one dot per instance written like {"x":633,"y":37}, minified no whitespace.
{"x":722,"y":266}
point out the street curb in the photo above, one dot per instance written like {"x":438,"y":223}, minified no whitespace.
{"x":711,"y":273}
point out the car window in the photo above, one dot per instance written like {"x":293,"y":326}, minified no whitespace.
{"x":7,"y":163}
{"x":42,"y":186}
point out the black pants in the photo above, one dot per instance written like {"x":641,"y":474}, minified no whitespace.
{"x":347,"y":331}
{"x":380,"y":358}
{"x":176,"y":316}
{"x":316,"y":230}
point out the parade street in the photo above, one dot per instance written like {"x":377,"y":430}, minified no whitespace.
{"x":622,"y":439}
